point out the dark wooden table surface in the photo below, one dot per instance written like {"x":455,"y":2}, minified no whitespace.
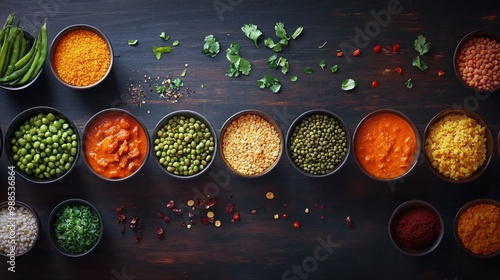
{"x":259,"y":247}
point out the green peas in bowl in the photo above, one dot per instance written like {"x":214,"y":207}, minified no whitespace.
{"x":42,"y":144}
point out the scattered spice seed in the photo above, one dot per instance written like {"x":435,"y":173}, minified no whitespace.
{"x":284,"y":216}
{"x":121,"y":217}
{"x":177,"y":211}
{"x":171,"y":204}
{"x":159,"y":215}
{"x":229,"y":208}
{"x":306,"y":210}
{"x":339,"y":53}
{"x":236,"y":217}
{"x":159,"y":232}
{"x":254,"y":212}
{"x":217,"y":223}
{"x":376,"y":49}
{"x":166,"y":219}
{"x":296,"y":224}
{"x":122,"y":228}
{"x":322,"y":217}
{"x":348,"y":221}
{"x":356,"y":52}
{"x":190,"y":203}
{"x":210,"y":214}
{"x":119,"y":209}
{"x":133,"y":223}
{"x":395,"y":48}
{"x":276,"y":216}
{"x":138,"y":237}
{"x":374,"y":84}
{"x":440,"y":73}
{"x":399,"y":70}
{"x":269,"y":195}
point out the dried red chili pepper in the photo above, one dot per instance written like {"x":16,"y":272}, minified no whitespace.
{"x":211,"y":202}
{"x":159,"y":232}
{"x":236,"y":217}
{"x":348,"y":221}
{"x":399,"y":70}
{"x":339,"y":53}
{"x":356,"y":52}
{"x":374,"y":84}
{"x":296,"y":224}
{"x":159,"y":215}
{"x":121,"y":217}
{"x":284,"y":216}
{"x":204,"y":220}
{"x":138,"y":237}
{"x":440,"y":73}
{"x":376,"y":49}
{"x":119,"y":209}
{"x":166,"y":219}
{"x":171,"y":204}
{"x":133,"y":222}
{"x":254,"y":212}
{"x":192,"y":221}
{"x":395,"y":48}
{"x":177,"y":211}
{"x":229,"y":208}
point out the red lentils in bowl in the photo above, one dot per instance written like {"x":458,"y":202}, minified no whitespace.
{"x":477,"y":61}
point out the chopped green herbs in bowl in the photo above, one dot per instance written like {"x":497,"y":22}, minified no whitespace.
{"x":75,"y":227}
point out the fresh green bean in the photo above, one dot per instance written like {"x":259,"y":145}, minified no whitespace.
{"x":26,"y":58}
{"x":30,"y":71}
{"x":14,"y":54}
{"x":13,"y":78}
{"x":43,"y":51}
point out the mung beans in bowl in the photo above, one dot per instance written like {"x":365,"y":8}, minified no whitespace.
{"x":318,"y":143}
{"x":42,"y":144}
{"x":184,"y":144}
{"x":19,"y":228}
{"x":251,"y":143}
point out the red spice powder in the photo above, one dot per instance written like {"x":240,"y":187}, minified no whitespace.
{"x":417,"y":228}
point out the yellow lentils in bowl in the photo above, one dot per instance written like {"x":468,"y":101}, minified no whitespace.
{"x":458,"y":145}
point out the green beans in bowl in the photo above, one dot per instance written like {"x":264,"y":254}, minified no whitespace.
{"x":184,"y":144}
{"x":42,"y":144}
{"x":318,"y":143}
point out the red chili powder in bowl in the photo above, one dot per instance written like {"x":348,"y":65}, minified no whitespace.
{"x":417,"y":228}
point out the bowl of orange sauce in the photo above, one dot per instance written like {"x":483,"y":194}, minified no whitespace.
{"x":386,"y":145}
{"x":115,"y":144}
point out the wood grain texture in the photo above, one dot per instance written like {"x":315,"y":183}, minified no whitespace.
{"x":259,"y":247}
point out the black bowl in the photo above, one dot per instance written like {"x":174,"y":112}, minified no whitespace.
{"x":455,"y":226}
{"x":298,"y":121}
{"x":97,"y":117}
{"x":16,"y":124}
{"x":465,"y":39}
{"x":65,"y":31}
{"x":53,"y":219}
{"x":268,"y":119}
{"x":395,"y":216}
{"x":489,"y":142}
{"x":187,"y":114}
{"x":17,"y":205}
{"x":28,"y":36}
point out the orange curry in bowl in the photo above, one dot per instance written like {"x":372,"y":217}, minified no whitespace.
{"x":116,"y":145}
{"x":385,"y":145}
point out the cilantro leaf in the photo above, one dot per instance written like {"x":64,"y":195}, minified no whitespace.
{"x":308,"y":70}
{"x":280,"y":31}
{"x":252,"y":32}
{"x":175,"y":43}
{"x":274,"y":61}
{"x":238,"y":64}
{"x":421,"y":45}
{"x":323,"y":45}
{"x":409,"y":84}
{"x":132,"y":42}
{"x":176,"y":83}
{"x":297,"y":32}
{"x":348,"y":84}
{"x":293,"y":78}
{"x":419,"y":63}
{"x":267,"y":81}
{"x":211,"y":47}
{"x":322,"y":64}
{"x":159,"y":50}
{"x":184,"y":72}
{"x":334,"y":68}
{"x":164,"y":36}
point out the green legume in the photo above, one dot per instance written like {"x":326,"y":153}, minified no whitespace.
{"x":39,"y":148}
{"x":318,"y":144}
{"x":182,"y":143}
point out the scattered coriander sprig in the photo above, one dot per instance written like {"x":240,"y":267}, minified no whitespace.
{"x":252,"y":32}
{"x":272,"y":83}
{"x":211,"y":47}
{"x":348,"y":84}
{"x":238,"y":64}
